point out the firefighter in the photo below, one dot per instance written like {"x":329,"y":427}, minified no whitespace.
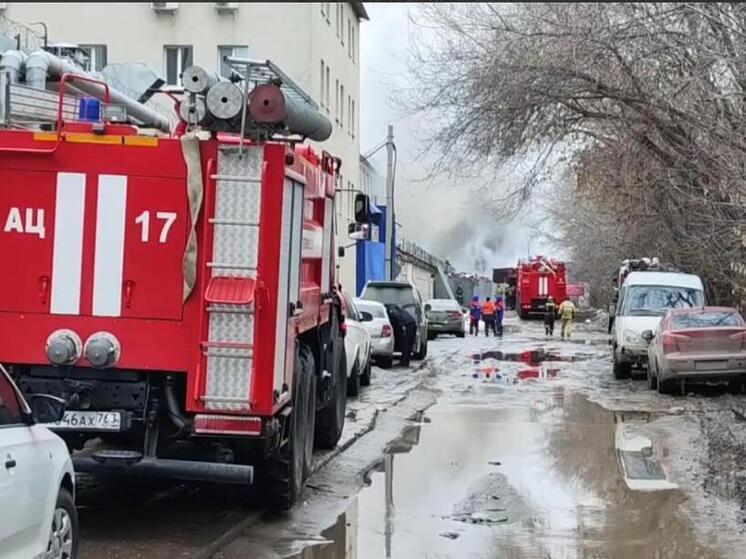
{"x":405,"y":332}
{"x":499,"y":314}
{"x":475,"y":313}
{"x":488,"y":315}
{"x":567,"y":313}
{"x":550,"y":316}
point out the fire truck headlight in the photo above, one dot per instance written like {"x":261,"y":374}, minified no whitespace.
{"x":102,"y":350}
{"x":64,"y":347}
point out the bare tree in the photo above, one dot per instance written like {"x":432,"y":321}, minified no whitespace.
{"x":647,"y":98}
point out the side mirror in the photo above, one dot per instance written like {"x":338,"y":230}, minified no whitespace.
{"x":428,"y":308}
{"x":47,"y":409}
{"x":359,"y":231}
{"x":341,"y":252}
{"x":647,"y":335}
{"x":366,"y":316}
{"x":362,"y":208}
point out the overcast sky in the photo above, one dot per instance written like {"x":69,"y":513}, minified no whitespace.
{"x":445,"y":216}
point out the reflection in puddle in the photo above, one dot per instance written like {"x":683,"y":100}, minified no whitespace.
{"x":520,"y":482}
{"x":532,"y":357}
{"x":640,"y":468}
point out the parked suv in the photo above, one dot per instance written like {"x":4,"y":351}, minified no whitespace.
{"x":37,"y":484}
{"x":644,"y":298}
{"x":406,"y":296}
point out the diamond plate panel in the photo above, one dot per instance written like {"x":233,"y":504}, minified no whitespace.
{"x":236,"y":244}
{"x":231,"y":327}
{"x":236,"y":200}
{"x":228,"y":377}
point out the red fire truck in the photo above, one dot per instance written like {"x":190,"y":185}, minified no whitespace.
{"x":177,"y":291}
{"x":536,"y":280}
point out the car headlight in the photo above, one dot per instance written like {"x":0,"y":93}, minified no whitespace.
{"x":631,"y":337}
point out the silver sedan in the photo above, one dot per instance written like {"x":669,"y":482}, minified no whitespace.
{"x":705,"y":343}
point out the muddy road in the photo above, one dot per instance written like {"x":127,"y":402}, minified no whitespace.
{"x":520,"y":447}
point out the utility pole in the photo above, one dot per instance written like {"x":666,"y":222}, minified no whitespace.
{"x":390,"y":247}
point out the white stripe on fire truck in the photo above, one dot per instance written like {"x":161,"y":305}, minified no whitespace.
{"x":67,"y":255}
{"x":109,"y":259}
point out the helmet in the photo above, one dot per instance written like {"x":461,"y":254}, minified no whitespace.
{"x":475,"y":298}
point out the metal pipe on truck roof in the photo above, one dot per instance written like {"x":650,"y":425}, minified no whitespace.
{"x":12,"y":62}
{"x":196,"y":79}
{"x":41,"y":64}
{"x":268,"y":104}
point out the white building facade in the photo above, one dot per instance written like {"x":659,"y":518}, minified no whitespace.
{"x":316,"y":43}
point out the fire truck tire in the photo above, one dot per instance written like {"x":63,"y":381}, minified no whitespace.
{"x":354,"y":382}
{"x":524,"y":314}
{"x":309,"y":384}
{"x":330,"y":419}
{"x":284,"y":469}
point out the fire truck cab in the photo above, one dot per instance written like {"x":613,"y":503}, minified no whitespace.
{"x":177,"y":290}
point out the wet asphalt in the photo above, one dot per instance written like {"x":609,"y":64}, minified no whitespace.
{"x":520,"y":447}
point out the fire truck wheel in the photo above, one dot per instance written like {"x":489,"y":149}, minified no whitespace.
{"x":284,"y":468}
{"x":353,"y":383}
{"x":330,"y":420}
{"x":309,"y":392}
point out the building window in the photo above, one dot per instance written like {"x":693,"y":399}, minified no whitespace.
{"x":176,"y":59}
{"x":323,"y":8}
{"x":336,"y":101}
{"x":96,"y":57}
{"x":342,"y":106}
{"x":239,"y":51}
{"x":339,"y":19}
{"x":328,"y":12}
{"x":322,"y":79}
{"x":349,"y":38}
{"x":352,"y":44}
{"x":342,"y":23}
{"x":352,"y":119}
{"x":328,"y":88}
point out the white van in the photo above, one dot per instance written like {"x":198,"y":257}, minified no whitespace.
{"x":643,"y":300}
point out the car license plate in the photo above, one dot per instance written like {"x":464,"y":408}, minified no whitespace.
{"x":89,"y":420}
{"x":710,"y":365}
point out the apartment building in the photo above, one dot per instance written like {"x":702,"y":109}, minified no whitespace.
{"x":316,"y":43}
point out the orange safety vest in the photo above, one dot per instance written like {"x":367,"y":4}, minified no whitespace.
{"x":488,"y":308}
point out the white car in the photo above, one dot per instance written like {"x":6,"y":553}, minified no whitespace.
{"x":379,"y":328}
{"x":357,"y":347}
{"x":37,"y":483}
{"x":644,"y":298}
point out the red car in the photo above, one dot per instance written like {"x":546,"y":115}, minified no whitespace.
{"x":705,"y":343}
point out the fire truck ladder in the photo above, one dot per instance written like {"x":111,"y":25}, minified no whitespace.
{"x":230,"y":295}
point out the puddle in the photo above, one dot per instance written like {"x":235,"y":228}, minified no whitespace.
{"x":538,"y":481}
